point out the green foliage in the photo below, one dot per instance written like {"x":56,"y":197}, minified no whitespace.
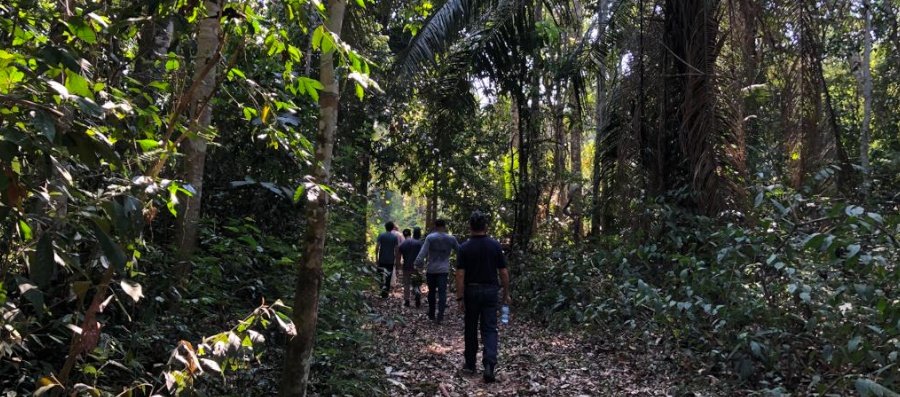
{"x":803,"y":300}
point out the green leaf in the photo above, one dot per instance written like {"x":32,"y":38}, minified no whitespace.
{"x":869,"y":388}
{"x":25,"y":230}
{"x":853,"y":344}
{"x":360,"y":92}
{"x":172,"y":64}
{"x":310,"y":87}
{"x":45,"y":124}
{"x":852,"y":250}
{"x":299,"y":193}
{"x":78,"y":85}
{"x":317,"y":37}
{"x":83,"y":31}
{"x":40,"y":268}
{"x":9,"y":77}
{"x":148,"y":144}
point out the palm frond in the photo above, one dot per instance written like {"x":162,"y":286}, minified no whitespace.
{"x":445,"y":27}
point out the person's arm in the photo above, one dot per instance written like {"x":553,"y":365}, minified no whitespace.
{"x":504,"y":281}
{"x":397,"y":255}
{"x":420,"y":259}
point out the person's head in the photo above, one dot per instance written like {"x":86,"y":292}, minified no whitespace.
{"x":407,"y":233}
{"x":440,"y":225}
{"x":417,"y":232}
{"x":478,"y":222}
{"x":389,"y":226}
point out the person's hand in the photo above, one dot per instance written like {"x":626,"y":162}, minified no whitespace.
{"x":507,"y":300}
{"x":462,"y":306}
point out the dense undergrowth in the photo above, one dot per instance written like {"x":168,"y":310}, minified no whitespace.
{"x":798,"y":297}
{"x":221,"y":332}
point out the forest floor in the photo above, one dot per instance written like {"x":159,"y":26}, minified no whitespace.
{"x":424,"y":359}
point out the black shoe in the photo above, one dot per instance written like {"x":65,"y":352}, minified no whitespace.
{"x":467,"y":370}
{"x":405,"y":303}
{"x":384,"y":294}
{"x":418,"y":301}
{"x":489,"y":373}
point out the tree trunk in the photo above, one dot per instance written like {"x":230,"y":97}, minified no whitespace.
{"x":194,"y":149}
{"x":866,"y":74}
{"x":597,"y":208}
{"x":299,"y":354}
{"x":691,"y":30}
{"x":575,"y":139}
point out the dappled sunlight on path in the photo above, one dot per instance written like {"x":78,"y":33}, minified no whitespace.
{"x":424,"y":359}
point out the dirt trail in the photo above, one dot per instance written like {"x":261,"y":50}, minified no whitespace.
{"x":423,"y":359}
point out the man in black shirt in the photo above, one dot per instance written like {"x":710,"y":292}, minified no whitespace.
{"x":479,"y":261}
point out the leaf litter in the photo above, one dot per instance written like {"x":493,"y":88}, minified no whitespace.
{"x":424,"y":359}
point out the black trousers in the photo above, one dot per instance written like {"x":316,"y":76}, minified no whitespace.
{"x":437,"y":285}
{"x":481,"y":309}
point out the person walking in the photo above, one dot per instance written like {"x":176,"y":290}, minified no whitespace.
{"x":437,"y":249}
{"x":386,"y":255}
{"x":409,"y":250}
{"x":480,"y":270}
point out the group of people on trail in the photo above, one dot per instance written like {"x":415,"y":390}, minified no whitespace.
{"x":480,"y":272}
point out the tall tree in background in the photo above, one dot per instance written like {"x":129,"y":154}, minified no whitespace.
{"x":866,"y":77}
{"x":209,"y":45}
{"x":691,"y":34}
{"x":295,"y":375}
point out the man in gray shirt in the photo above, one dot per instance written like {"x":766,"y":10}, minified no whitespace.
{"x":437,"y":249}
{"x":387,"y":254}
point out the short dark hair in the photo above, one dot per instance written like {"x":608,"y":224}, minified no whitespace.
{"x":389,"y":226}
{"x":417,"y":232}
{"x":406,"y":232}
{"x":478,"y":221}
{"x":440,"y":223}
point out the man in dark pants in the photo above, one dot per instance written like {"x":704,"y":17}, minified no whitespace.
{"x":387,"y":254}
{"x":479,"y":261}
{"x":437,"y":249}
{"x":409,"y":250}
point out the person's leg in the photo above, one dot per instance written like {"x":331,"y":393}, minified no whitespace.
{"x":417,"y":288}
{"x":388,"y":271}
{"x":442,"y":295}
{"x":471,"y":329}
{"x":407,"y":288}
{"x":489,"y":336}
{"x":431,"y":279}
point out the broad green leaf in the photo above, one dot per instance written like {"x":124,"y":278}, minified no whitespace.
{"x":83,"y":31}
{"x":40,"y":268}
{"x":148,"y":144}
{"x":317,"y":37}
{"x":9,"y":77}
{"x":78,"y":85}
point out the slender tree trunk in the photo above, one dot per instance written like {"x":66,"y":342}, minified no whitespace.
{"x":194,"y":149}
{"x":866,"y":72}
{"x":575,"y":139}
{"x":560,"y":149}
{"x":299,"y":354}
{"x":597,"y":208}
